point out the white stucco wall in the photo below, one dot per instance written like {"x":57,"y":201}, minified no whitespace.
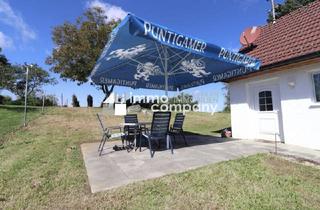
{"x":299,"y":112}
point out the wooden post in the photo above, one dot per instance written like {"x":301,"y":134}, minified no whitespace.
{"x":25,"y":98}
{"x":61,"y":99}
{"x":42,"y":103}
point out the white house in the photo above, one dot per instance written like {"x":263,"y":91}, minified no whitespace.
{"x":283,"y":98}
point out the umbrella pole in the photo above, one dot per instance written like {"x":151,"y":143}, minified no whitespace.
{"x":166,"y":69}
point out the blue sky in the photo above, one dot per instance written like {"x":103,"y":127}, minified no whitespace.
{"x":26,"y":26}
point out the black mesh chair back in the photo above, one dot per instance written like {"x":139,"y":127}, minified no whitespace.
{"x":130,"y":118}
{"x":178,"y":121}
{"x":160,"y":124}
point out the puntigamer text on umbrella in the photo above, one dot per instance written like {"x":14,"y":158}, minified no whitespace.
{"x":173,"y":38}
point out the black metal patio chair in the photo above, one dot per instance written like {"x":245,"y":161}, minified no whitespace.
{"x":131,"y":131}
{"x":159,"y":131}
{"x":177,"y":127}
{"x":107,"y":134}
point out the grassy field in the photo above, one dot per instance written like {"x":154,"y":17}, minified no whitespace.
{"x":207,"y":124}
{"x":41,"y":167}
{"x":11,"y":117}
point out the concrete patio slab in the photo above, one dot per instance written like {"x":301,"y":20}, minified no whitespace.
{"x":114,"y":169}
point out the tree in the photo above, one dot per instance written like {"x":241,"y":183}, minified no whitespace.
{"x":287,"y":7}
{"x":79,"y":45}
{"x":36,"y":100}
{"x":37,"y":78}
{"x":75,"y":102}
{"x":5,"y":99}
{"x":5,"y":71}
{"x":51,"y":100}
{"x":89,"y":101}
{"x":13,"y":78}
{"x":3,"y":60}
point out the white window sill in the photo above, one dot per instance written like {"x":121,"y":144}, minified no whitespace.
{"x":314,"y":105}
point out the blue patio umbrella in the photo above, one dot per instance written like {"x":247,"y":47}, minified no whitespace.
{"x":141,"y":54}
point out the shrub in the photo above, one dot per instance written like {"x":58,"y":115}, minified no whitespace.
{"x":5,"y":100}
{"x":75,"y":102}
{"x":33,"y":100}
{"x":90,"y":101}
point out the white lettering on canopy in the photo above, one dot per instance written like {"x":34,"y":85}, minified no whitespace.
{"x":231,"y":73}
{"x":237,"y":58}
{"x":170,"y":37}
{"x":119,"y":82}
{"x":193,"y":84}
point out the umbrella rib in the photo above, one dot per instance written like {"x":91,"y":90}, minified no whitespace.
{"x":176,"y":73}
{"x":182,"y":59}
{"x":159,"y":55}
{"x":124,"y":63}
{"x":175,"y":54}
{"x":154,"y":63}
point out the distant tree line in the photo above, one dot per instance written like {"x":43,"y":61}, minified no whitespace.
{"x":13,"y":79}
{"x":183,"y":98}
{"x":33,"y":100}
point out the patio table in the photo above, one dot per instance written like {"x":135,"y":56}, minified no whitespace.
{"x":138,"y":126}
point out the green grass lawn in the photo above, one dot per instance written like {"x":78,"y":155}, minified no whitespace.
{"x":11,"y":117}
{"x":41,"y":167}
{"x":207,"y":124}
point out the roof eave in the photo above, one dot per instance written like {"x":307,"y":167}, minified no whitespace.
{"x":270,"y":67}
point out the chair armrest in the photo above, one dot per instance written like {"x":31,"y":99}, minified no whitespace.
{"x":114,"y":127}
{"x":111,"y":128}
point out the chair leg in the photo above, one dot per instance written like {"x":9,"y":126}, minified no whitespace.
{"x":101,"y":149}
{"x":126,"y":140}
{"x":140,"y":143}
{"x":184,"y":138}
{"x":150,"y":148}
{"x":123,"y":139}
{"x":136,"y":142}
{"x":171,"y":145}
{"x":101,"y":142}
{"x":174,"y":139}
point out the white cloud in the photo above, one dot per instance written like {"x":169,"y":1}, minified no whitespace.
{"x":14,"y":19}
{"x":5,"y":41}
{"x":111,"y":11}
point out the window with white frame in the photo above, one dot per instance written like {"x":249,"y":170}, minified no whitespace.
{"x":265,"y":101}
{"x":316,"y":83}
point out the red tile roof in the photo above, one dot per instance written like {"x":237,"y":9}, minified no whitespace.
{"x":293,"y":35}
